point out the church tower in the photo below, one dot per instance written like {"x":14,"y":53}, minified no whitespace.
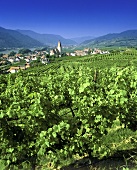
{"x":59,"y":47}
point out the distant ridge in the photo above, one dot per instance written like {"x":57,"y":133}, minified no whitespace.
{"x":47,"y":39}
{"x":125,"y":38}
{"x":14,"y":39}
{"x":29,"y":39}
{"x":81,"y":39}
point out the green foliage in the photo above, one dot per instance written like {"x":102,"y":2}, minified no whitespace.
{"x":118,"y":140}
{"x":1,"y":55}
{"x":51,"y":113}
{"x":12,"y":53}
{"x":36,"y":63}
{"x":24,"y":51}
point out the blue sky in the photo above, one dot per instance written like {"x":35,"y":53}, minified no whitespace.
{"x":69,"y":18}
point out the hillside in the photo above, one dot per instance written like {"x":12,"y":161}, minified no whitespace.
{"x":14,"y":39}
{"x":47,"y":39}
{"x":81,"y":39}
{"x":126,"y":38}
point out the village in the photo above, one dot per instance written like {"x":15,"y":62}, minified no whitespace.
{"x":43,"y":56}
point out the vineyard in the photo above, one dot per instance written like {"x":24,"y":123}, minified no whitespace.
{"x":75,"y":107}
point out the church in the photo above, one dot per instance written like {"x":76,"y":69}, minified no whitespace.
{"x":57,"y":51}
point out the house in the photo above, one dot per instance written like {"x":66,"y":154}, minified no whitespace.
{"x":11,"y":60}
{"x":87,"y":50}
{"x":72,"y":54}
{"x":80,"y":53}
{"x":13,"y":69}
{"x":5,"y":56}
{"x":27,"y":65}
{"x":34,"y":58}
{"x":52,"y":52}
{"x":68,"y":54}
{"x":45,"y":61}
{"x":17,"y":59}
{"x":18,"y":55}
{"x":27,"y":60}
{"x":16,"y":69}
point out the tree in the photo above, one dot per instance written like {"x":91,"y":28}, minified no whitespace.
{"x":1,"y":55}
{"x":36,"y":62}
{"x":47,"y":56}
{"x":12,"y":53}
{"x":24,"y":51}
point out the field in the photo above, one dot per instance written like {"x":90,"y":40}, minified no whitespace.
{"x":76,"y":113}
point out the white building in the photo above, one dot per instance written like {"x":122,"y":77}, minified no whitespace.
{"x":57,"y":51}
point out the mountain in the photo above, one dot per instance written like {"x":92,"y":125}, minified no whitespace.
{"x":47,"y":39}
{"x":126,"y":38}
{"x":81,"y":39}
{"x":14,"y":39}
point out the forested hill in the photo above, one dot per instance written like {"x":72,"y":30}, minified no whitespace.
{"x":82,"y":39}
{"x":47,"y":39}
{"x":126,"y":38}
{"x":11,"y":38}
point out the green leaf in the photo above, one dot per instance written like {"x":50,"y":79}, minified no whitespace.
{"x":47,"y":143}
{"x":54,"y":134}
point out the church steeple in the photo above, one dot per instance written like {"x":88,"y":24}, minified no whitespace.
{"x":59,"y":47}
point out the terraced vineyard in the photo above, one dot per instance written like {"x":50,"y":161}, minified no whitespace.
{"x":75,"y":107}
